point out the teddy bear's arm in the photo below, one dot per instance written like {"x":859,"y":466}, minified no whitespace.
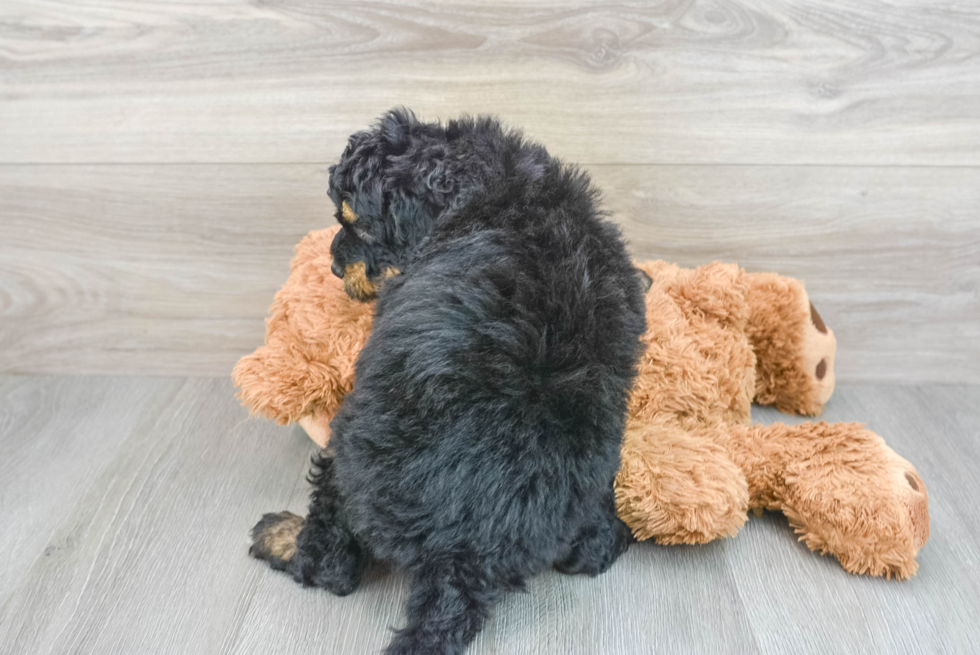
{"x":678,"y":486}
{"x":794,"y":349}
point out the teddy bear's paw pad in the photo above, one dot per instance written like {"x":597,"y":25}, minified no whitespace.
{"x":818,"y":352}
{"x":915,"y":497}
{"x":274,"y":538}
{"x":317,"y":427}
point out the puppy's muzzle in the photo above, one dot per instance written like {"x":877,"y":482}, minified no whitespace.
{"x":358,"y":285}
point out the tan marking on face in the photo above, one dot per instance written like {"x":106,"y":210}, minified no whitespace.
{"x":391,"y":272}
{"x":347,"y":213}
{"x":356,"y":283}
{"x":279,"y":540}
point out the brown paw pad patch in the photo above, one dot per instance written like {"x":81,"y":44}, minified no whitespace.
{"x":821,"y":369}
{"x":274,"y":536}
{"x":817,"y":321}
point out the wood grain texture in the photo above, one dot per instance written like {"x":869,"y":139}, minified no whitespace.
{"x":44,"y":464}
{"x":169,"y":270}
{"x":725,"y":81}
{"x":818,"y":607}
{"x":146,"y":552}
{"x":126,"y":503}
{"x":156,"y":269}
{"x":890,"y":256}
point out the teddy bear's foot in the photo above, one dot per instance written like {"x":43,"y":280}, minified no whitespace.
{"x":678,"y":487}
{"x":794,"y":348}
{"x":852,"y":496}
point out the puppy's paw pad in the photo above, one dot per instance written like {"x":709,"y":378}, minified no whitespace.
{"x":274,"y":538}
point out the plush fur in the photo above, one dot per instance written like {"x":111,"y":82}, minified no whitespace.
{"x":691,"y":465}
{"x":480,"y":443}
{"x":290,"y":378}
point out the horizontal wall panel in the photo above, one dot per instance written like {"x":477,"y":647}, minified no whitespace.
{"x":775,"y":82}
{"x":166,"y":269}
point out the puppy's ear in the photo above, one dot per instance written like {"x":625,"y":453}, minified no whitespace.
{"x":412,"y":219}
{"x":395,"y":128}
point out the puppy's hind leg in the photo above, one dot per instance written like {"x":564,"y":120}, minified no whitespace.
{"x":445,"y":611}
{"x":274,"y":538}
{"x":601,"y":539}
{"x":318,"y":551}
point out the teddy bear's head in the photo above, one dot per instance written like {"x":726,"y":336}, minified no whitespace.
{"x":313,"y":335}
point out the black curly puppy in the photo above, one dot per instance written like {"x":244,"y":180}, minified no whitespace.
{"x":482,"y":437}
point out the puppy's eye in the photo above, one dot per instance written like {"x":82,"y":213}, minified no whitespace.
{"x":363,"y":236}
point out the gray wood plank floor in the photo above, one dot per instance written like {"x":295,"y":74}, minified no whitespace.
{"x":125,"y":504}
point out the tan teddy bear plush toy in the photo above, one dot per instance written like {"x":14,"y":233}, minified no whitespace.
{"x":692,"y":464}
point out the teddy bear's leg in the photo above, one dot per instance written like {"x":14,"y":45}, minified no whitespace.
{"x":599,"y":543}
{"x":317,"y":427}
{"x":794,"y":348}
{"x":319,"y":550}
{"x":678,"y":487}
{"x":842,"y":489}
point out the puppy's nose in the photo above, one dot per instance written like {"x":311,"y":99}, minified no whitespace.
{"x":337,"y":269}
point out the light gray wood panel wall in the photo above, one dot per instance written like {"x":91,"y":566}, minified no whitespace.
{"x":734,"y":81}
{"x":157,"y":269}
{"x":170,"y":269}
{"x":833,"y":141}
{"x":890,"y":255}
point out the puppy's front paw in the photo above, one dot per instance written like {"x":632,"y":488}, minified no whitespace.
{"x":274,"y":538}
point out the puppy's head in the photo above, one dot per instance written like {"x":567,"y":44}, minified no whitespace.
{"x":388,"y":187}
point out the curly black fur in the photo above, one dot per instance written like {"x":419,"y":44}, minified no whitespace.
{"x":481,"y":440}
